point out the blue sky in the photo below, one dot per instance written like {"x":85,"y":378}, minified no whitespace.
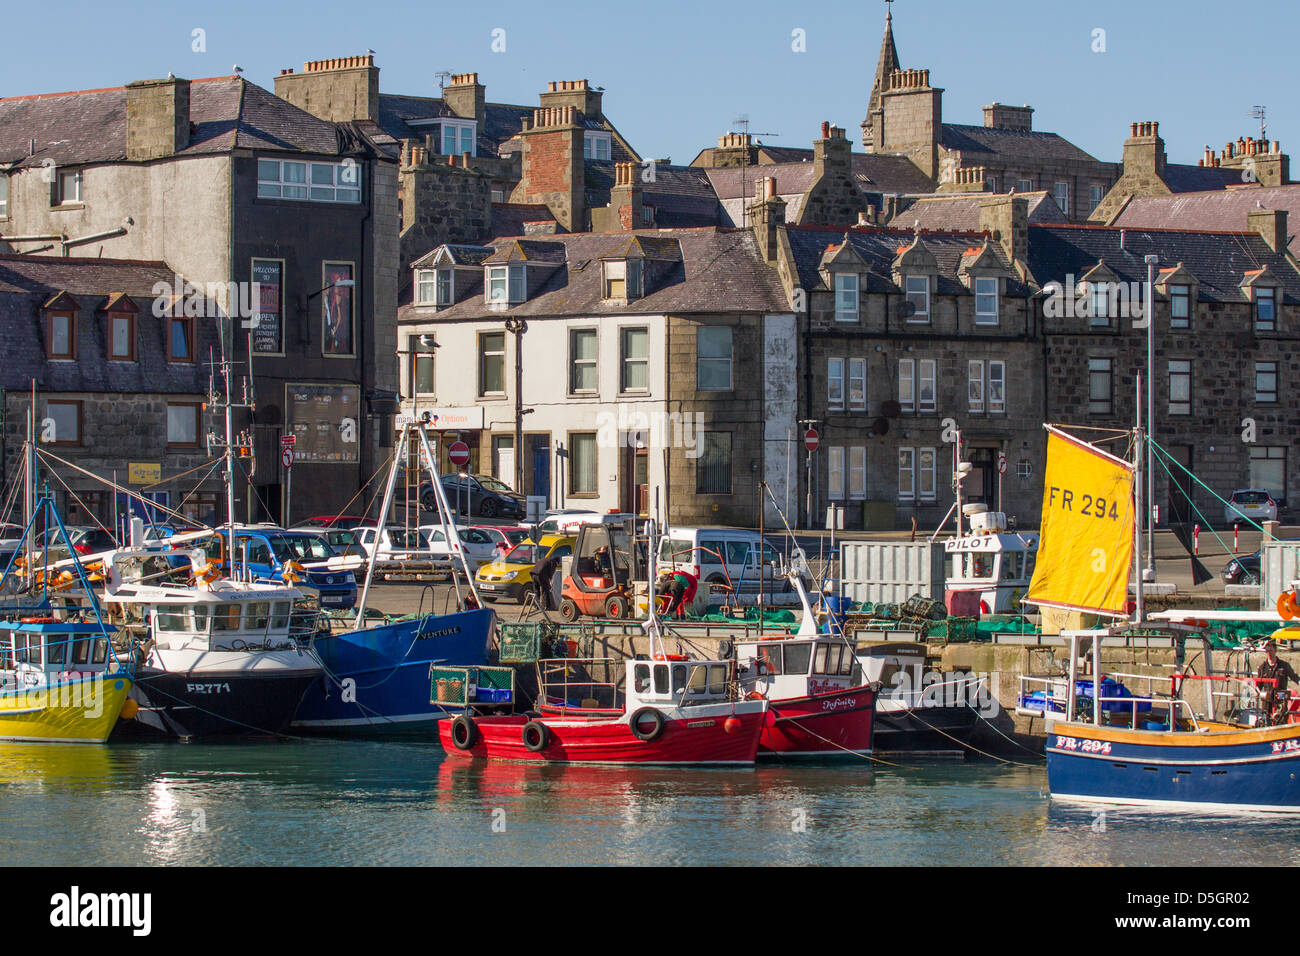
{"x":677,"y":74}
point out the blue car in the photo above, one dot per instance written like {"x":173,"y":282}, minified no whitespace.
{"x":266,"y":551}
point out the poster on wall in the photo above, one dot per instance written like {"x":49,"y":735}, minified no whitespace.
{"x":268,"y":325}
{"x":336,"y":309}
{"x":325,"y":420}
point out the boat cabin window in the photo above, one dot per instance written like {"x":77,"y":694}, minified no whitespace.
{"x":797,"y":658}
{"x":101,"y":651}
{"x":259,"y":615}
{"x":171,"y":618}
{"x":56,"y":648}
{"x":661,"y":678}
{"x":979,"y":565}
{"x":641,"y":678}
{"x":699,"y":679}
{"x":833,"y":659}
{"x":81,"y":650}
{"x":280,"y":620}
{"x":679,"y":678}
{"x":717,"y":679}
{"x":769,"y":658}
{"x":6,"y":650}
{"x":1013,"y":565}
{"x":201,"y":618}
{"x":28,"y":649}
{"x":225,"y":617}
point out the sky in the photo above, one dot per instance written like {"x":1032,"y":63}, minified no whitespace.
{"x":679,"y":74}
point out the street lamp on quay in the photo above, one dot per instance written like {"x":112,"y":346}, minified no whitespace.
{"x":518,"y":326}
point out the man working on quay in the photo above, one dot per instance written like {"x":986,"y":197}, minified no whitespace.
{"x":1278,"y":671}
{"x":680,"y":588}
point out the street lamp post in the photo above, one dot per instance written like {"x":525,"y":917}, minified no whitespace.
{"x":1150,"y":573}
{"x":518,"y":326}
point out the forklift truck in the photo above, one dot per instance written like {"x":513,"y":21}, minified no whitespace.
{"x":608,"y":563}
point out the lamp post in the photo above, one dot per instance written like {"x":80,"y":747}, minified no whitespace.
{"x":1152,"y":261}
{"x":518,"y":326}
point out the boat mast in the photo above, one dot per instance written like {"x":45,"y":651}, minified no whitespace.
{"x":29,"y":483}
{"x":1138,"y":489}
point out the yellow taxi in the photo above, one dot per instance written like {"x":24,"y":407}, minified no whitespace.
{"x":511,"y":576}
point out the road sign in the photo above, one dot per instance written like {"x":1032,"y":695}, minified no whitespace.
{"x":1002,"y":463}
{"x":288,"y":441}
{"x":810,"y":439}
{"x":458,"y":453}
{"x":286,"y":457}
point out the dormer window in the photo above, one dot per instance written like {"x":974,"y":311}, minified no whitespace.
{"x":597,"y":145}
{"x":458,"y":137}
{"x":918,"y":296}
{"x":1099,"y":304}
{"x":60,"y":335}
{"x":433,"y":287}
{"x":1265,"y":309}
{"x":1180,"y":306}
{"x":846,"y":297}
{"x":121,"y":337}
{"x":623,"y":279}
{"x":986,"y":301}
{"x":505,"y":285}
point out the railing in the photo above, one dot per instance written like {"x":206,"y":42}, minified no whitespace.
{"x":555,"y":677}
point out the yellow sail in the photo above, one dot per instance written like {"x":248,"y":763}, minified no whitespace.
{"x":1086,"y":543}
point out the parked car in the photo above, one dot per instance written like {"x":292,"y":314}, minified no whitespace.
{"x":730,"y":556}
{"x":400,"y":550}
{"x":476,"y":495}
{"x":84,"y":540}
{"x":1242,"y":570}
{"x":333,"y":521}
{"x":1254,"y":504}
{"x":512,"y":576}
{"x":479,"y":547}
{"x":265,"y":553}
{"x":342,"y":540}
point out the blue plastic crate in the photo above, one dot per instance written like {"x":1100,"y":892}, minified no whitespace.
{"x":494,"y":695}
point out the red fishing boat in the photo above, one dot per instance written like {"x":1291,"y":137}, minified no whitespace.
{"x":598,"y":711}
{"x":820,"y":704}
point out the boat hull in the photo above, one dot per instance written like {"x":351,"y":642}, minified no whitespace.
{"x":182,"y":695}
{"x":1230,"y":768}
{"x":836,"y":724}
{"x":698,"y":739}
{"x":923,"y":731}
{"x":74,"y":711}
{"x":388,"y":667}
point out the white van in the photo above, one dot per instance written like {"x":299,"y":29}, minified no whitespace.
{"x":728,"y":556}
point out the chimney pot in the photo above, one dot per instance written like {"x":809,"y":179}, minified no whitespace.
{"x":826,"y":129}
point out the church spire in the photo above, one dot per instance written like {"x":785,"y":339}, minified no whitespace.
{"x":887,"y":64}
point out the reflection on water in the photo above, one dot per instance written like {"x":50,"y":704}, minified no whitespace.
{"x":367,"y":802}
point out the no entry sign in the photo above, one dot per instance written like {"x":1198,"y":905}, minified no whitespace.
{"x":811,"y":439}
{"x":458,"y":452}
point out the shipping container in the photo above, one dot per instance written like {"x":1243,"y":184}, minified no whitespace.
{"x":890,"y":572}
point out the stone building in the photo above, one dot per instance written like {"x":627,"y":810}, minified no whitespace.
{"x":1227,"y":350}
{"x":120,"y":390}
{"x":650,"y":361}
{"x":909,"y":339}
{"x":233,"y":186}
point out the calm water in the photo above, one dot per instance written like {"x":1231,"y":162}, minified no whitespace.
{"x":356,"y":803}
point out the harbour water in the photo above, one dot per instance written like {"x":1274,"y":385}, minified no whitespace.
{"x":333,"y":802}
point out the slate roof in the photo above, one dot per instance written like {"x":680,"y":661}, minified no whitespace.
{"x":879,"y":248}
{"x":1010,"y":142}
{"x":508,"y":218}
{"x":1218,"y":260}
{"x":719,"y":271}
{"x":682,"y":196}
{"x":878,"y":172}
{"x":962,"y":211}
{"x":28,"y":282}
{"x":1216,"y":209}
{"x":1182,"y":178}
{"x":226,"y":113}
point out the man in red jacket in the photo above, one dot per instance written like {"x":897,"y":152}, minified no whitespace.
{"x":680,"y":587}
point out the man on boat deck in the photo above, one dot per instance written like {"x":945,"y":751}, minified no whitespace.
{"x":1280,"y":671}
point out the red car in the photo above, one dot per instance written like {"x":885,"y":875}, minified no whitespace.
{"x":344,"y":522}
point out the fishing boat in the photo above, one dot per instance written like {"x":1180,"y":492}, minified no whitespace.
{"x":820,"y":705}
{"x":61,"y":679}
{"x":1111,"y":743}
{"x":989,"y":568}
{"x":919,"y":711}
{"x":665,"y":710}
{"x":218,"y":656}
{"x":377,"y":667}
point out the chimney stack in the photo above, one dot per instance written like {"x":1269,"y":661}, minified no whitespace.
{"x":157,"y":118}
{"x":767,"y":218}
{"x":466,"y":97}
{"x":340,"y":90}
{"x":1271,"y":224}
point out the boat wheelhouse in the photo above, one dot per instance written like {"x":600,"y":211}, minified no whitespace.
{"x":60,"y":681}
{"x":219,"y":657}
{"x":668,"y":710}
{"x":989,"y":568}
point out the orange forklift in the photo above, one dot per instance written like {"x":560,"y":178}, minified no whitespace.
{"x":608,"y":562}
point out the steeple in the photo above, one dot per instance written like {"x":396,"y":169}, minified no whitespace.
{"x":886,"y":65}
